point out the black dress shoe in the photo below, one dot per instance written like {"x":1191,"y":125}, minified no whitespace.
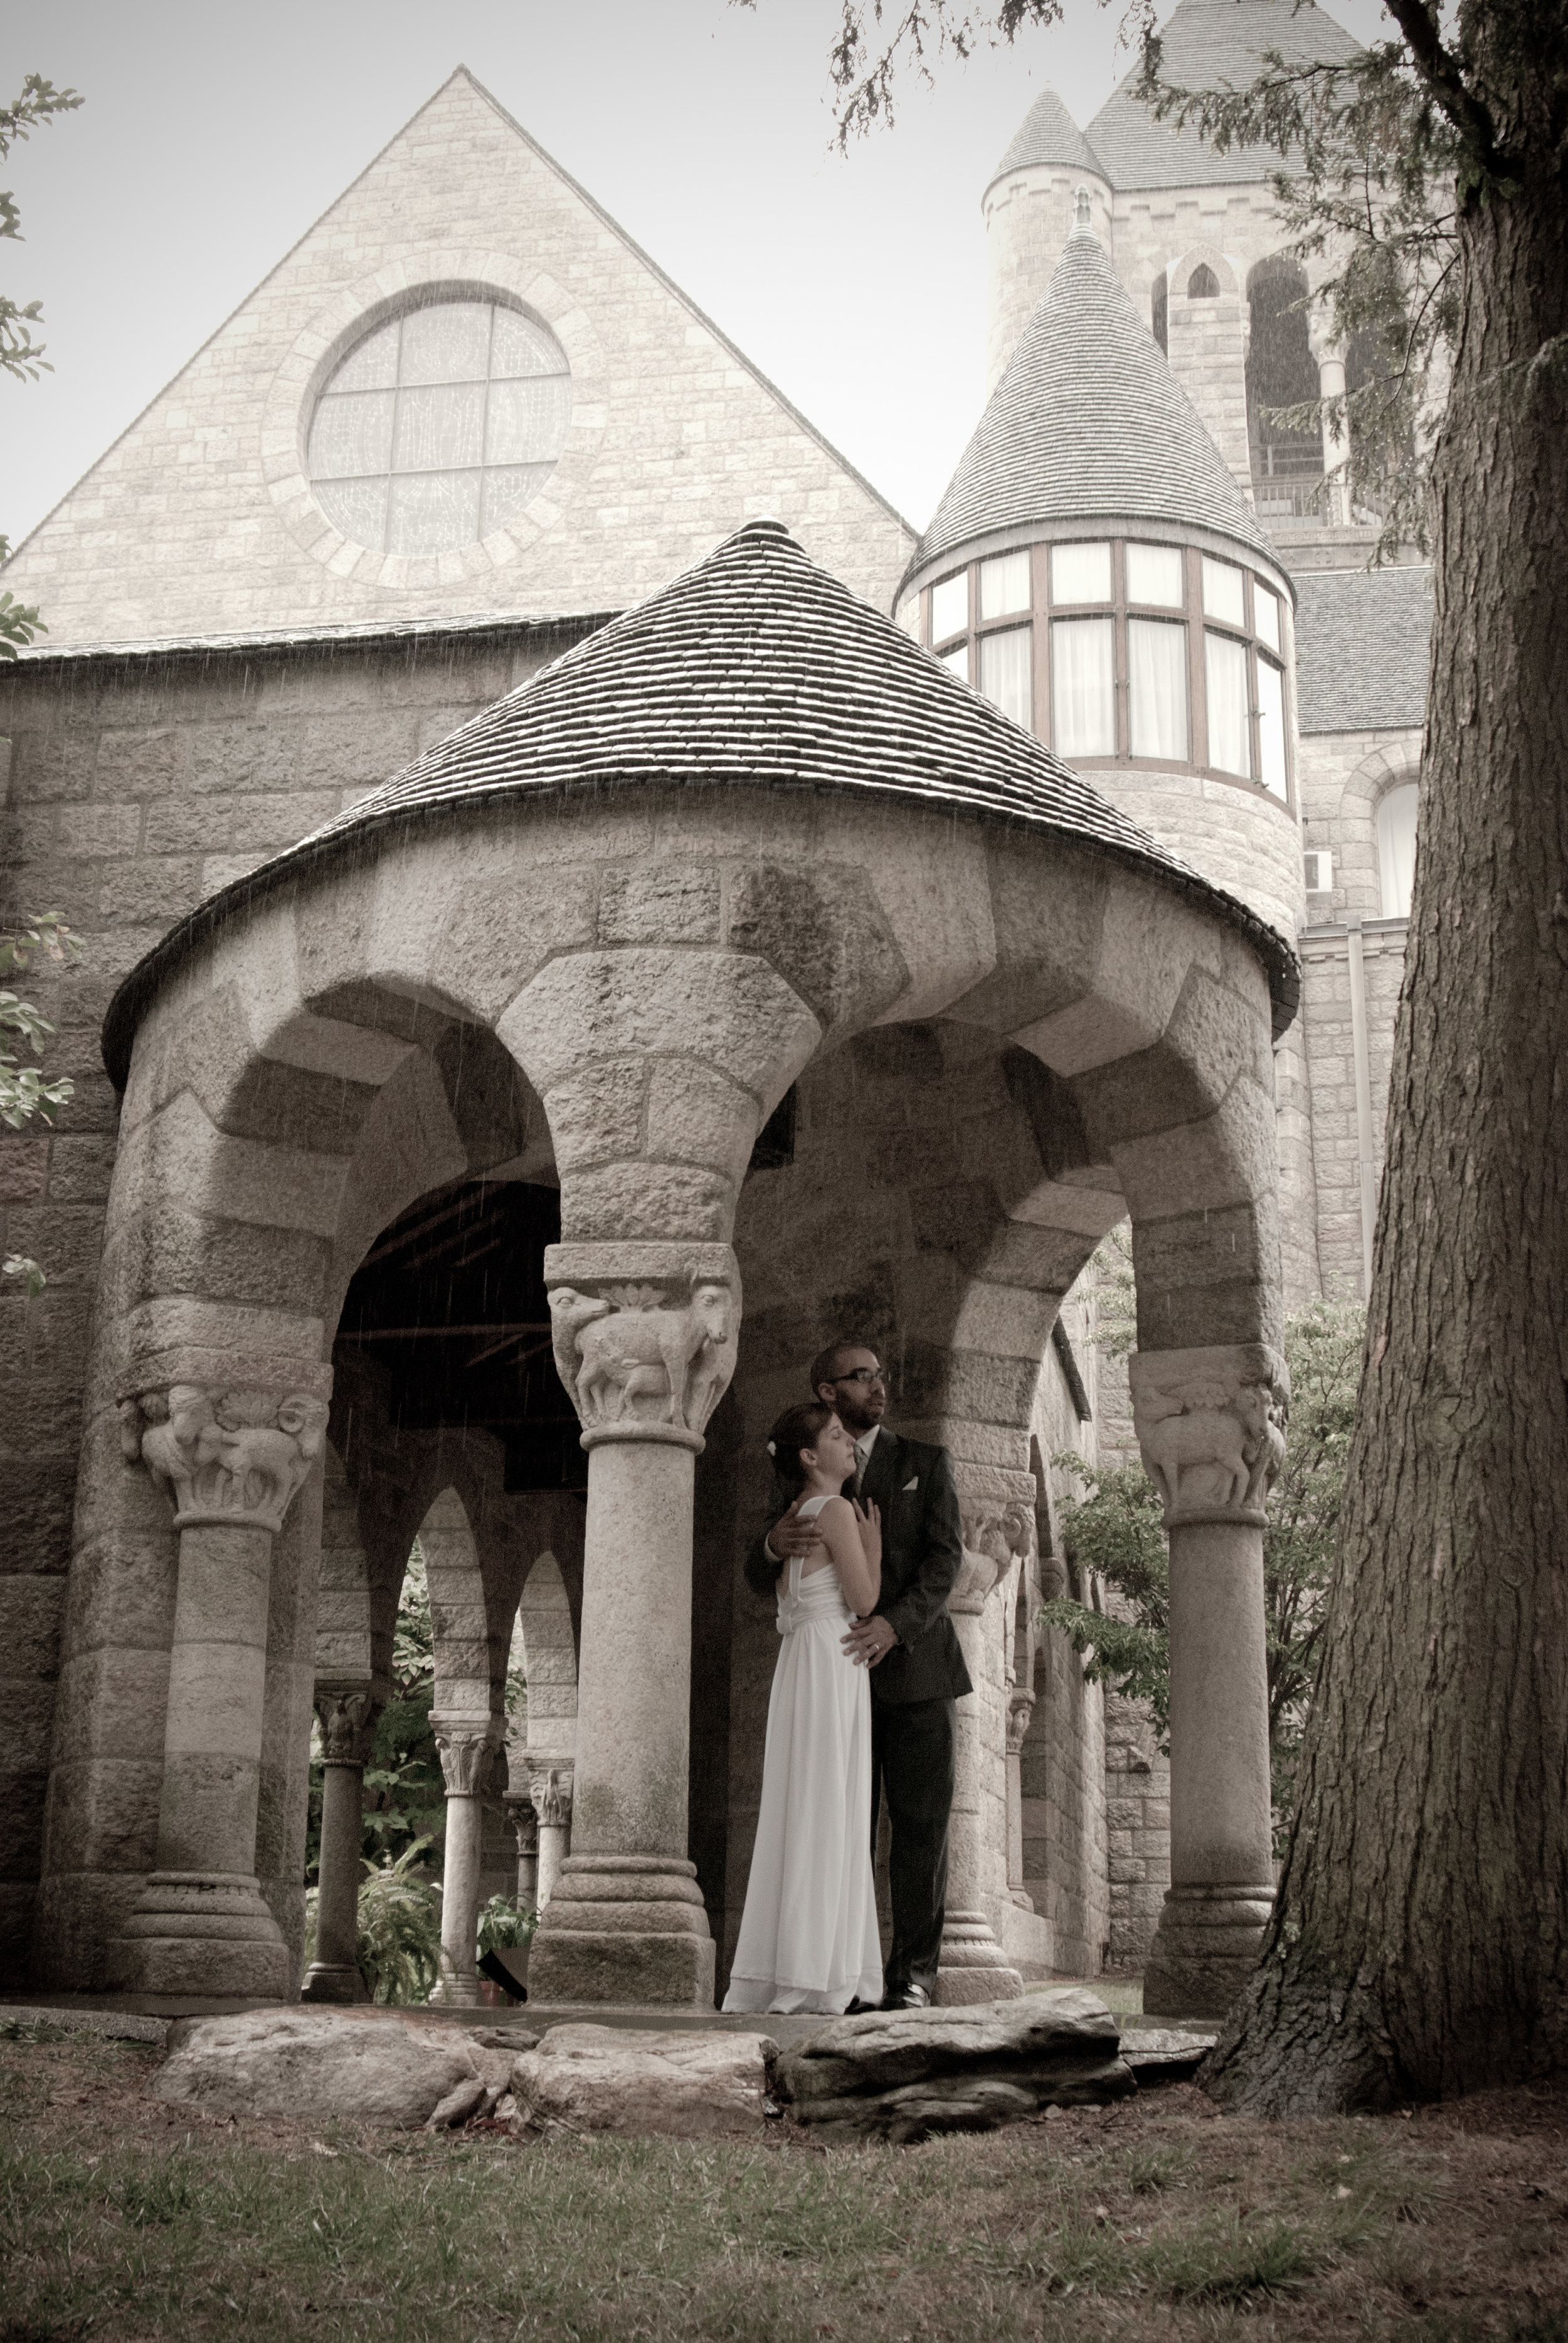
{"x":907,"y":1996}
{"x":859,"y":2008}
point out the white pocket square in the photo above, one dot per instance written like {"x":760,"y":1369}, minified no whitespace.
{"x":911,"y":1484}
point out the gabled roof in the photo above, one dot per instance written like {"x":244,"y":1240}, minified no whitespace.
{"x":1210,"y":44}
{"x":756,"y":668}
{"x":1048,"y":134}
{"x":1089,"y":423}
{"x":1363,"y":642}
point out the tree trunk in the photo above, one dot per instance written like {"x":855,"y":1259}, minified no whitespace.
{"x":1417,"y":1947}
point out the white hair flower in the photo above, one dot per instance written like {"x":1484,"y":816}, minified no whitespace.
{"x":771,"y":1449}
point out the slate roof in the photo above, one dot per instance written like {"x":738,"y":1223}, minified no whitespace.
{"x":1048,"y":134}
{"x":1363,"y":638}
{"x":1089,"y":423}
{"x":756,"y":668}
{"x":1210,"y":44}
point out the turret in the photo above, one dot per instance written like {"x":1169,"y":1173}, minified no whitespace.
{"x":1029,"y":213}
{"x":1095,"y":570}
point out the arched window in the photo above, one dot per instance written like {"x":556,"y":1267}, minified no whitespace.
{"x":1287,"y":464}
{"x":1396,"y":848}
{"x":1203,"y":285}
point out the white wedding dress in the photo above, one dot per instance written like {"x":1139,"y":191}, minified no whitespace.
{"x":809,"y":1939}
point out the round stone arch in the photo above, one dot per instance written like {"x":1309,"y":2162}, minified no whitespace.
{"x":1393,"y":765}
{"x":432,"y":270}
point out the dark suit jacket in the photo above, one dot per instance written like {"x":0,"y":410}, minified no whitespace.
{"x":922,"y":1553}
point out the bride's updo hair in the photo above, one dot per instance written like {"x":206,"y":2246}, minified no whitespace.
{"x":797,"y":1428}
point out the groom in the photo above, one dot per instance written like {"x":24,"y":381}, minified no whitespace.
{"x":909,"y":1643}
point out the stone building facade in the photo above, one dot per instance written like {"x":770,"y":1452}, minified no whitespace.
{"x":405,"y":1087}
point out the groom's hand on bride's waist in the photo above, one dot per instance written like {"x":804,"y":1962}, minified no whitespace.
{"x":869,"y":1640}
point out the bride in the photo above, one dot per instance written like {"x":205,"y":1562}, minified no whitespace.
{"x":809,"y":1938}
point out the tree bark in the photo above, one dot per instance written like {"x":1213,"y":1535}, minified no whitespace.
{"x":1417,"y":1947}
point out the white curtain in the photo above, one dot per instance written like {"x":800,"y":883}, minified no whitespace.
{"x":1004,"y":665}
{"x":1225,"y":673}
{"x":1271,"y":727}
{"x":1084,"y":686}
{"x":1396,"y":848}
{"x":1157,"y":681}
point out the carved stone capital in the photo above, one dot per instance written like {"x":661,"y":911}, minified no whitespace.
{"x":997,"y":1533}
{"x":1020,"y":1709}
{"x":1210,"y":1429}
{"x":347,"y":1715}
{"x":645,"y":1336}
{"x":466,"y":1745}
{"x":232,"y":1458}
{"x":551,"y":1786}
{"x":523,"y":1823}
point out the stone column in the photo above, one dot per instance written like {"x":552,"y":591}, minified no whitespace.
{"x":525,"y":1829}
{"x":551,"y":1788}
{"x":973,"y":1966}
{"x":231,"y":1461}
{"x":645,"y":1340}
{"x":348,"y":1716}
{"x":467,"y":1746}
{"x":1330,"y":357}
{"x":1020,"y":1709}
{"x":1208,"y":1424}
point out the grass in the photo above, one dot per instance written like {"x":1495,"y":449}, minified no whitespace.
{"x":123,"y":2218}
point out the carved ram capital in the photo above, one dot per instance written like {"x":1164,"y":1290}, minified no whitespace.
{"x":232,"y":1458}
{"x":645,"y":1336}
{"x":1210,"y":1429}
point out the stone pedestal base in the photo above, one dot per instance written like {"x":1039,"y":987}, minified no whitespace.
{"x":202,"y":1933}
{"x":323,"y":1982}
{"x":624,"y":1929}
{"x":455,"y":1989}
{"x":973,"y":1966}
{"x":1204,"y":1949}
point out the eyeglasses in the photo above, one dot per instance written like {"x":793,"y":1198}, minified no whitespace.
{"x":864,"y":1376}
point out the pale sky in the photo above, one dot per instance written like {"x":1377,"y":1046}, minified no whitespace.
{"x":213,"y":134}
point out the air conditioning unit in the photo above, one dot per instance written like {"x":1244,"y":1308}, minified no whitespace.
{"x":1319,"y":865}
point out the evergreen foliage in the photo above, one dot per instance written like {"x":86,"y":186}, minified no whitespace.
{"x":23,"y":1092}
{"x":1114,"y":1530}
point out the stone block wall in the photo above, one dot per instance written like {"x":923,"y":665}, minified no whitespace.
{"x":1137,"y":1831}
{"x":198,"y":519}
{"x":1063,"y":1784}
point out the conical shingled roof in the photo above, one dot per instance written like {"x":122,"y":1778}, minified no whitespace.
{"x":1210,"y":44}
{"x":1048,"y":134}
{"x":1089,"y":423}
{"x":757,"y":668}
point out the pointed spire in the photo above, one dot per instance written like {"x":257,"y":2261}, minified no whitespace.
{"x":1048,"y":134}
{"x":1088,"y":423}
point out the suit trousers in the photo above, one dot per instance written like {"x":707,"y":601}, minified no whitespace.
{"x":912,"y":1768}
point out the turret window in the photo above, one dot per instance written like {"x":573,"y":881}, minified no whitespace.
{"x":949,"y":607}
{"x":1004,"y":672}
{"x":1154,"y":575}
{"x":1081,"y":573}
{"x":1157,"y":688}
{"x":1152,"y":654}
{"x":1084,"y":686}
{"x":1224,"y":596}
{"x":1004,"y":585}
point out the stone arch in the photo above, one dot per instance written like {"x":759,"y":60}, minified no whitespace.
{"x":549,"y":1644}
{"x":1214,"y":270}
{"x":1353,"y":826}
{"x":1281,"y":371}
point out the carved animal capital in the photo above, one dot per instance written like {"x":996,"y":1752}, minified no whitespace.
{"x":1020,"y":1709}
{"x":550,"y":1786}
{"x":524,"y":1824}
{"x":234,"y":1458}
{"x":645,"y":1336}
{"x":347,"y":1722}
{"x":465,"y":1745}
{"x":1210,"y":1429}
